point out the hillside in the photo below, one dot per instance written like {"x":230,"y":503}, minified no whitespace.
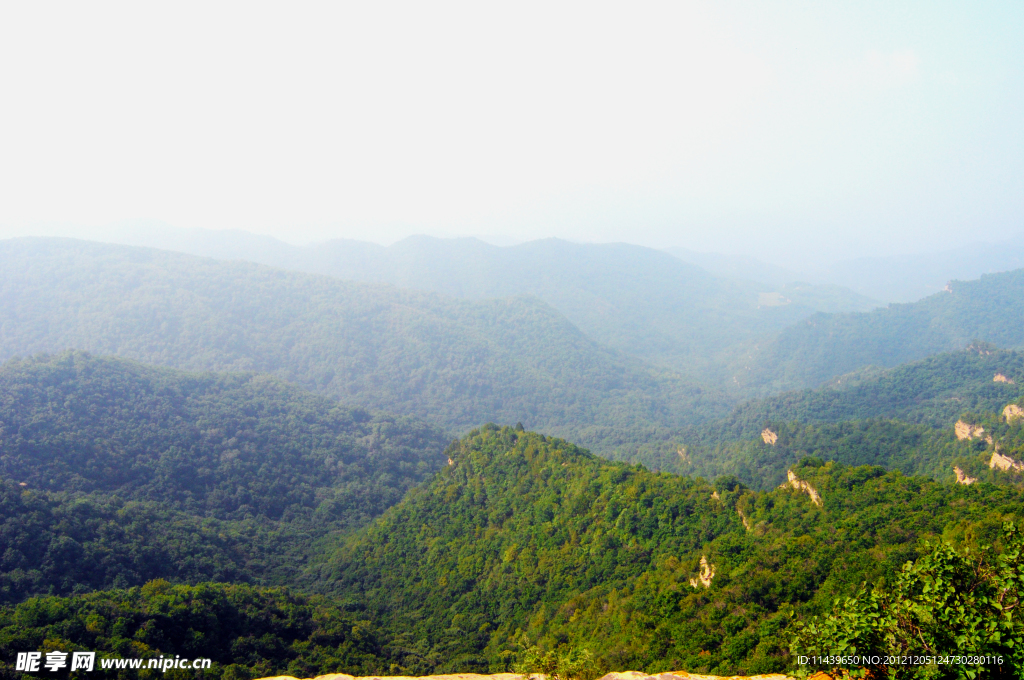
{"x":900,"y":418}
{"x":530,"y":540}
{"x":932,"y":391}
{"x":824,"y":346}
{"x":526,"y":548}
{"x":638,"y":300}
{"x":453,"y":362}
{"x":116,"y":473}
{"x":246,"y":632}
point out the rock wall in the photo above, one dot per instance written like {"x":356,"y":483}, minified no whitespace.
{"x":962,"y":478}
{"x":800,"y":485}
{"x":627,"y":675}
{"x":967,"y":431}
{"x":1012,"y":412}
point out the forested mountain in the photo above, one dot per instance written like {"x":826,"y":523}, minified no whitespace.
{"x":644,"y":570}
{"x":635,"y":299}
{"x":824,"y":346}
{"x":526,"y":550}
{"x":116,"y":473}
{"x":932,"y":391}
{"x":901,"y":418}
{"x":454,"y":362}
{"x":247,"y":632}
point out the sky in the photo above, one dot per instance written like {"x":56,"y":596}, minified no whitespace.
{"x":785,"y":130}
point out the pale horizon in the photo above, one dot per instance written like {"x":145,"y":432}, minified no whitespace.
{"x":787,"y":133}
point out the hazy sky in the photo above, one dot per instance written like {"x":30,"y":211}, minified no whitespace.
{"x":746,"y":127}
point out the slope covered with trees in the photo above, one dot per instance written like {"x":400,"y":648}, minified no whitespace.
{"x":246,"y":632}
{"x":528,"y":549}
{"x":528,"y":541}
{"x":454,"y":362}
{"x":117,"y":473}
{"x":901,"y":418}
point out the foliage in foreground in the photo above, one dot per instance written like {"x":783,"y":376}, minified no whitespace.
{"x":248,"y":632}
{"x":949,"y":602}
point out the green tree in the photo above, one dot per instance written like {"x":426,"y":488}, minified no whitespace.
{"x":948,"y":603}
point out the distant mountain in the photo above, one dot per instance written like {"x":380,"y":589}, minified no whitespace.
{"x":113,"y":473}
{"x":634,"y":299}
{"x":738,"y":266}
{"x":889,"y":278}
{"x":905,"y":278}
{"x":824,"y":346}
{"x":454,"y":362}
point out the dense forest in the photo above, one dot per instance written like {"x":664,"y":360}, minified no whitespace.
{"x":527,"y":548}
{"x":247,"y":632}
{"x":117,"y":473}
{"x":530,"y":536}
{"x":456,"y":363}
{"x":901,"y":418}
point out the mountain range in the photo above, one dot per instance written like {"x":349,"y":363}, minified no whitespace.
{"x":293,"y":472}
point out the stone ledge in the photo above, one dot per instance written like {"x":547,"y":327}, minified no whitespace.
{"x":626,"y":675}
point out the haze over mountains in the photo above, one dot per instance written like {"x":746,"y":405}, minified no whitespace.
{"x":630,"y":298}
{"x":888,"y":278}
{"x":452,"y":361}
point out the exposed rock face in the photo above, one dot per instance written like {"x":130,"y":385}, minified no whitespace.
{"x":683,"y":675}
{"x":746,"y":522}
{"x":626,"y":675}
{"x":962,"y":478}
{"x":707,"y":572}
{"x":1001,"y":462}
{"x":967,"y":431}
{"x":801,"y":485}
{"x":769,"y":437}
{"x":1013,"y":412}
{"x":999,"y":377}
{"x":453,"y":676}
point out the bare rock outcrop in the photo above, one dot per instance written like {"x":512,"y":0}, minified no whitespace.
{"x":683,"y":675}
{"x":746,"y":521}
{"x":769,"y":437}
{"x":707,"y":573}
{"x":451,"y":676}
{"x":625,"y":675}
{"x":1013,"y":412}
{"x":967,"y":431}
{"x":999,"y":377}
{"x":801,"y":485}
{"x":962,"y":478}
{"x":1005,"y":463}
